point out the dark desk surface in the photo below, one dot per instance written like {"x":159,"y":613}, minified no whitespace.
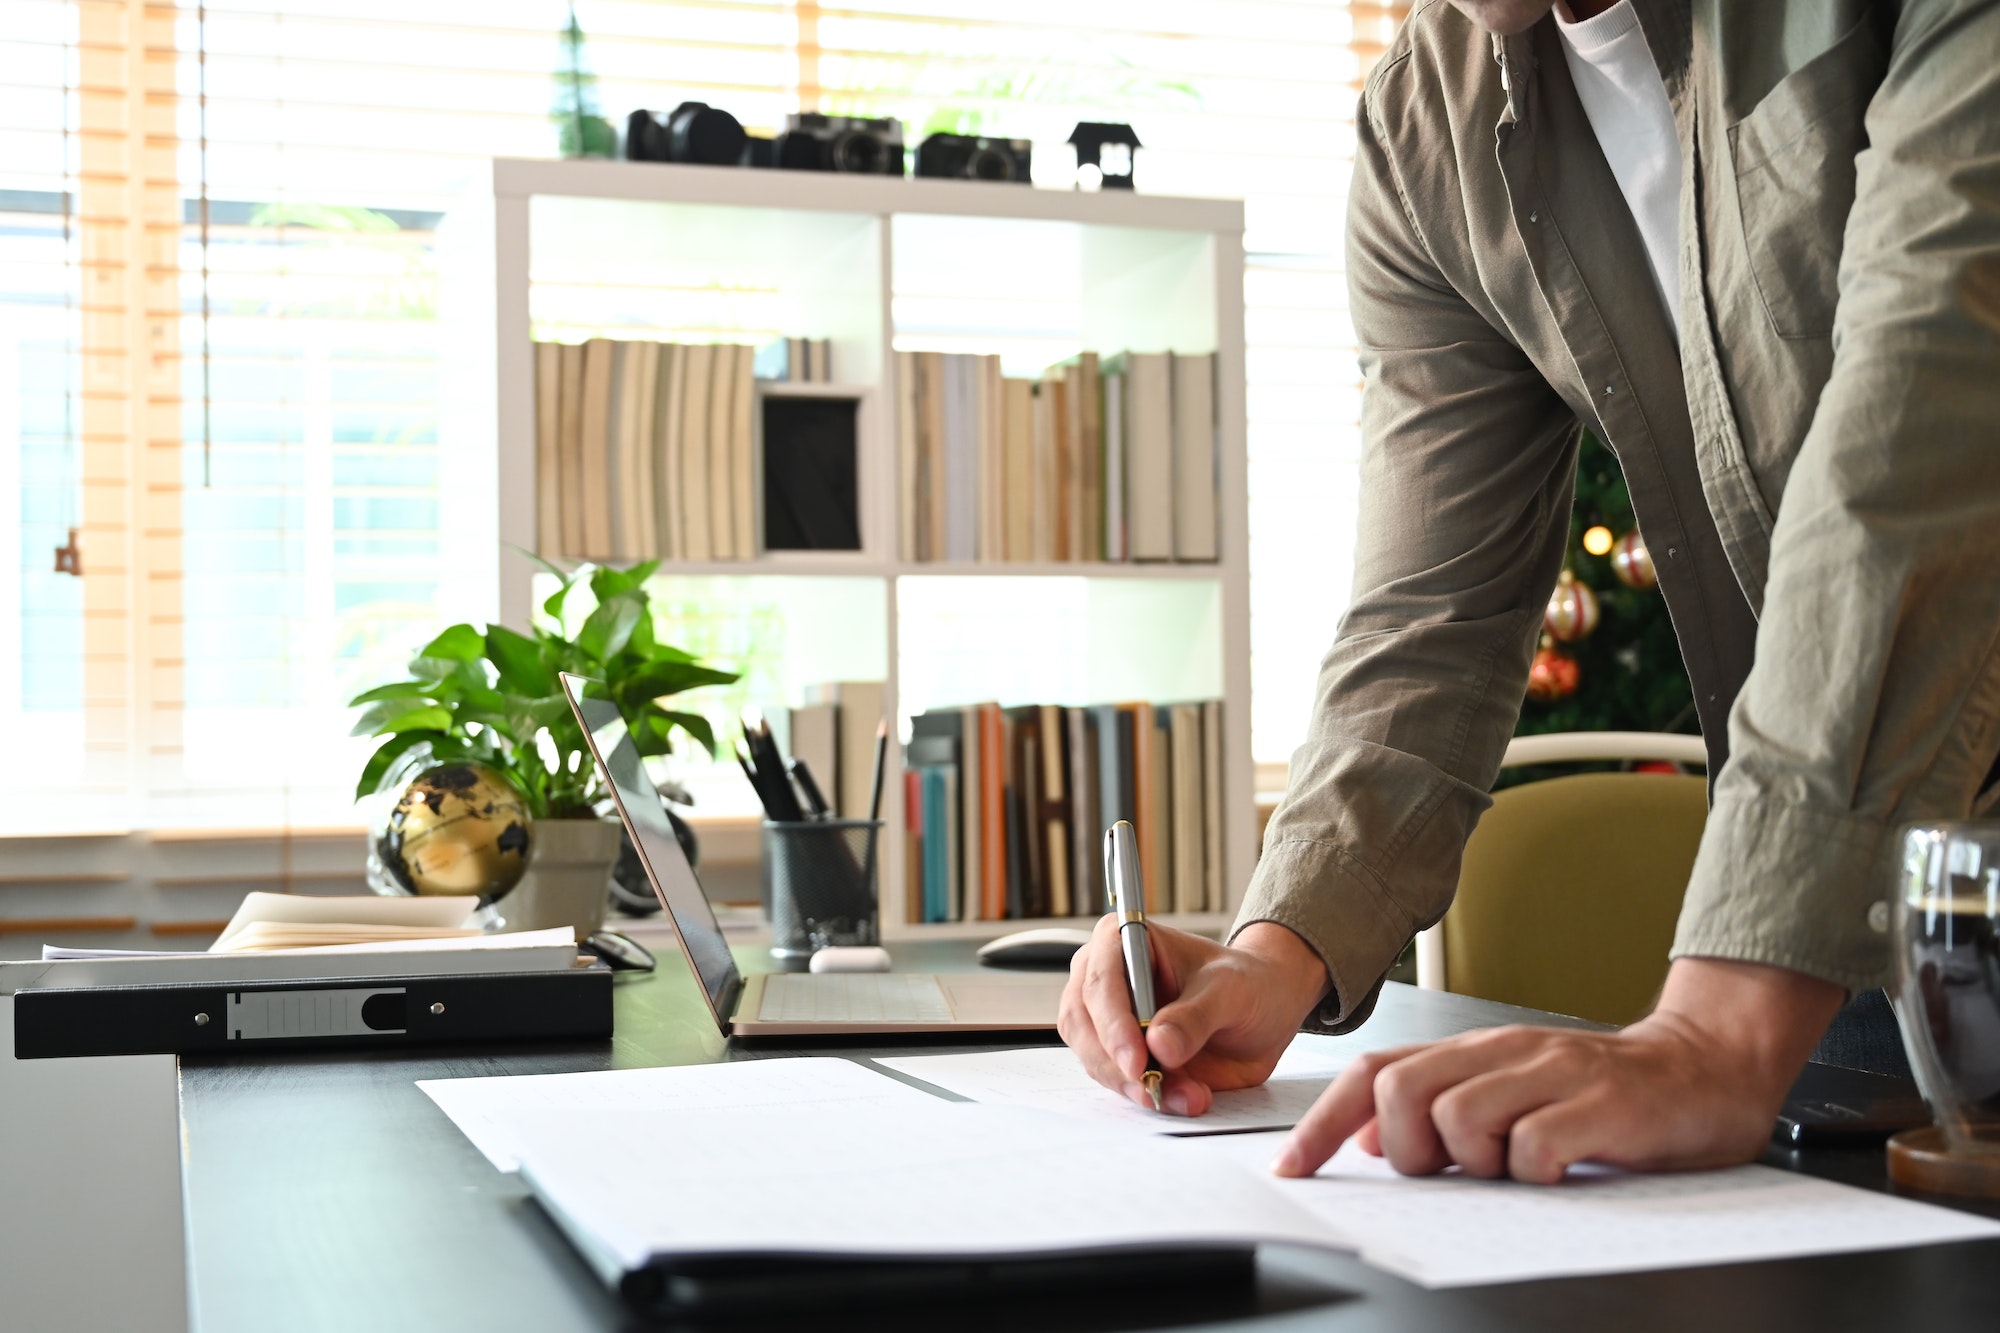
{"x":327,"y":1192}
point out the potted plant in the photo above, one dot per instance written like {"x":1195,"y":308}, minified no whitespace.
{"x":492,"y":697}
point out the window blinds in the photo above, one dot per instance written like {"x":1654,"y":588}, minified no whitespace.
{"x":217,"y":230}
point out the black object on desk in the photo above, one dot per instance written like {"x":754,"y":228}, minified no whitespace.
{"x":730,"y":1287}
{"x":211,"y":1018}
{"x":281,"y":1155}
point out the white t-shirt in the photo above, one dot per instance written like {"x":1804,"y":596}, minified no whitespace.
{"x":1626,"y":100}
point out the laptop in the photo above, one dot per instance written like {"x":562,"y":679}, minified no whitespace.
{"x":791,"y":1004}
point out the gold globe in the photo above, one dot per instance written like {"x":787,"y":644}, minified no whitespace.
{"x":459,"y":828}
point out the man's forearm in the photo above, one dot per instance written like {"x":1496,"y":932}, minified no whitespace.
{"x":1768,"y":1019}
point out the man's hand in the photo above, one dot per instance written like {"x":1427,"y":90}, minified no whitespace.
{"x":1226,"y":1014}
{"x":1694,"y":1084}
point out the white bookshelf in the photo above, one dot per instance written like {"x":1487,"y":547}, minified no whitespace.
{"x":568,"y":249}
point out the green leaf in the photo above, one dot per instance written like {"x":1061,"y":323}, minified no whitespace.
{"x":460,"y":643}
{"x":666,"y":678}
{"x":432,"y":668}
{"x":382,"y":767}
{"x":482,"y":698}
{"x":383,"y":719}
{"x":608,"y":583}
{"x":428,"y":718}
{"x":695,"y":725}
{"x":541,"y":713}
{"x":519,"y":659}
{"x":402,"y":689}
{"x":609,"y":627}
{"x":552,"y":608}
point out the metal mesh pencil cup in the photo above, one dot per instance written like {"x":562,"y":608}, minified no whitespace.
{"x":819,"y":884}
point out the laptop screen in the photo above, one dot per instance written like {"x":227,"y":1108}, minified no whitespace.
{"x":667,"y":867}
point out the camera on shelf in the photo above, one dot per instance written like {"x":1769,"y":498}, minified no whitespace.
{"x":867,"y":146}
{"x":691,"y":132}
{"x":975,"y":158}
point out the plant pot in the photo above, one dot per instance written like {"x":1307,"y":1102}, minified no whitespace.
{"x":569,"y":876}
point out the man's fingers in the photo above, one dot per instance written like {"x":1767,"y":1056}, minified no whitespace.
{"x":1107,"y":998}
{"x":1074,"y":1024}
{"x":1406,"y":1092}
{"x":1476,"y":1119}
{"x":1346,"y":1105}
{"x":1180,"y":1029}
{"x":1182,"y":1094}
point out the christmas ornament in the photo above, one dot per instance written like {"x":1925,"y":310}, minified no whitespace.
{"x":1554,"y":674}
{"x":1572,"y":611}
{"x":1597,"y":539}
{"x":1633,"y":564}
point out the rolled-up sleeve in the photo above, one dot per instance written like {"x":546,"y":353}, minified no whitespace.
{"x":1467,"y":468}
{"x":1875,"y":698}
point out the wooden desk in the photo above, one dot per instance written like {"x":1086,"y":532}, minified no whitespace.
{"x":327,"y":1192}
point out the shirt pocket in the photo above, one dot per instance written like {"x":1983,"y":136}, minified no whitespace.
{"x":1794,"y":162}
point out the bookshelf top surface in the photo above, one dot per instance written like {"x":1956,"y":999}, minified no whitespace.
{"x":804,"y":564}
{"x":654,"y":182}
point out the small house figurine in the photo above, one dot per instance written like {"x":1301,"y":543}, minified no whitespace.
{"x":1107,"y":149}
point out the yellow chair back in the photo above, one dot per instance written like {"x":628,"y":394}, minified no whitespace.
{"x":1570,"y":890}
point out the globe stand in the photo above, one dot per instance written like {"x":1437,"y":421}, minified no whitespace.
{"x":1920,"y":1159}
{"x":487,"y":917}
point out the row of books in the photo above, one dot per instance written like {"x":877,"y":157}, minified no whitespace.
{"x":1113,"y":460}
{"x":1005,"y":808}
{"x":645,"y":451}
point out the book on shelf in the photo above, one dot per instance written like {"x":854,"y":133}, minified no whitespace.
{"x":857,"y":711}
{"x":645,"y":450}
{"x":1006,"y":808}
{"x":1195,"y":458}
{"x":1098,"y":459}
{"x":1146,"y":384}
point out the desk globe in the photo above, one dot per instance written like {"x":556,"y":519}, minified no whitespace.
{"x":457,"y":829}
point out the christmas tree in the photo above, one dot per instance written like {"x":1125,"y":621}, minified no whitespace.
{"x":1609,"y":660}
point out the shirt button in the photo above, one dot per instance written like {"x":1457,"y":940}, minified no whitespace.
{"x":1608,"y":389}
{"x":1878,"y":918}
{"x":1673,"y":553}
{"x":1534,"y":217}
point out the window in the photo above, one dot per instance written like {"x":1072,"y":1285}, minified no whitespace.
{"x":220,"y":365}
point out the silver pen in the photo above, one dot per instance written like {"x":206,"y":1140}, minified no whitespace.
{"x":1128,"y":903}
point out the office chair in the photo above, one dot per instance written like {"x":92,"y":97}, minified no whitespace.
{"x":1571,"y":886}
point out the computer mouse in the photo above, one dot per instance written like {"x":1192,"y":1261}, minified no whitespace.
{"x":622,"y":952}
{"x":1045,"y":946}
{"x":850,"y":958}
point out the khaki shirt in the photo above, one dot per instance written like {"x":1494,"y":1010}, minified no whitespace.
{"x":1815,"y":466}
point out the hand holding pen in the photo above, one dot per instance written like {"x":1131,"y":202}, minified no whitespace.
{"x":1128,"y":906}
{"x":1225,"y":1012}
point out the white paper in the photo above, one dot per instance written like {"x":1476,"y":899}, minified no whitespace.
{"x":519,"y":939}
{"x":1049,"y":1078}
{"x":486,"y":1109}
{"x":927,"y":1177}
{"x":442,"y":912}
{"x":1452,"y":1231}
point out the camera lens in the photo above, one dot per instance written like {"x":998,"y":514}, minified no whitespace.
{"x":987,"y":165}
{"x":860,"y":153}
{"x":708,"y":135}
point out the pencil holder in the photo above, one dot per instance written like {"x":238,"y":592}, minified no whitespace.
{"x":819,"y":884}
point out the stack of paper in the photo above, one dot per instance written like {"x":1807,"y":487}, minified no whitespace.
{"x":267,"y":921}
{"x":279,"y":937}
{"x":828,"y":1159}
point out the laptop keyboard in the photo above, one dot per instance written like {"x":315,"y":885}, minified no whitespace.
{"x":852,"y":997}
